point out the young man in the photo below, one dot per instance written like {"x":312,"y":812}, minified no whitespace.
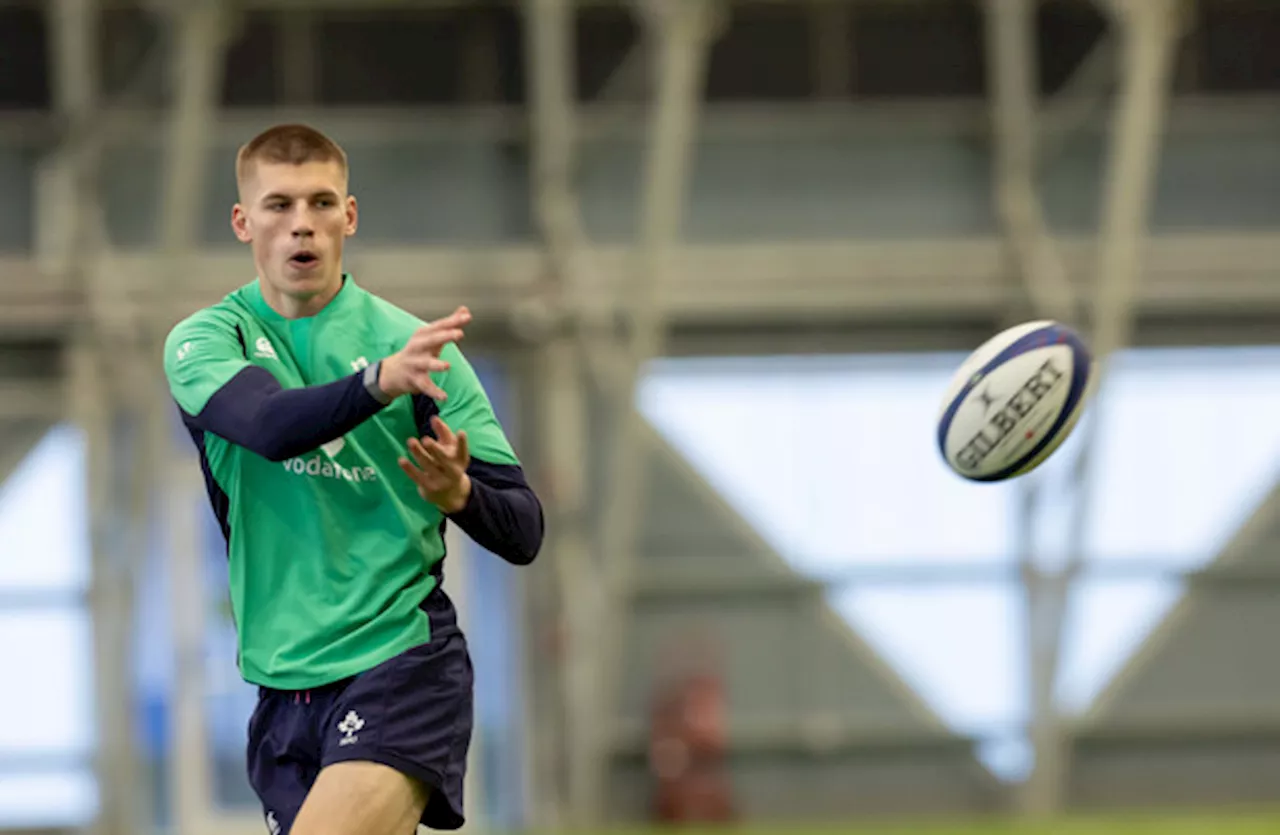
{"x":338,"y":435}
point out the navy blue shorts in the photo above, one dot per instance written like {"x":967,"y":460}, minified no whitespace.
{"x":413,"y":713}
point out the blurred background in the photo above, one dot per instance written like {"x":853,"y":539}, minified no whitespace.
{"x":723,"y":258}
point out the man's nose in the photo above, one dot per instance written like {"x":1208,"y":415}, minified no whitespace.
{"x":302,"y":226}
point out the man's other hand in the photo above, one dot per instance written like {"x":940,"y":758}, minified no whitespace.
{"x":439,"y":467}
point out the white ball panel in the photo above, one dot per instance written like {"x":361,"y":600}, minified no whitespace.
{"x":1007,"y":414}
{"x":984,"y":354}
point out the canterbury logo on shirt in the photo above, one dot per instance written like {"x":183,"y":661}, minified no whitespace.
{"x":264,"y":349}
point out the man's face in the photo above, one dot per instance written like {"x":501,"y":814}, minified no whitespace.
{"x":296,"y":219}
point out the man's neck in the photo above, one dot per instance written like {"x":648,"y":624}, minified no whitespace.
{"x":300,"y":307}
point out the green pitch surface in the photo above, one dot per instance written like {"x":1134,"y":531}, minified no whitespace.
{"x":1172,"y":824}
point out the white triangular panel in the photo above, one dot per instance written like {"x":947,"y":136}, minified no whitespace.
{"x":1191,"y":445}
{"x":959,"y":646}
{"x":834,"y":462}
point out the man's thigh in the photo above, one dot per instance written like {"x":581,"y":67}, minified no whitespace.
{"x":413,"y":716}
{"x":361,"y":798}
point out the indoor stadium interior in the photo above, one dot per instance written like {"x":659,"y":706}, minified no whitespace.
{"x":723,"y":258}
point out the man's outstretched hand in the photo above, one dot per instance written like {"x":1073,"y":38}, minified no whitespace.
{"x":439,"y":467}
{"x":408,"y":371}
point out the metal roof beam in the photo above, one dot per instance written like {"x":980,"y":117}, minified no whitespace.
{"x":1201,"y":116}
{"x":1205,"y":274}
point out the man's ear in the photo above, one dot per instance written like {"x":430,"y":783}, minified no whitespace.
{"x":240,"y":224}
{"x":353,"y":215}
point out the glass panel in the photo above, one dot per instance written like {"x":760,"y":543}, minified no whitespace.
{"x":50,"y":652}
{"x":53,"y":799}
{"x":43,"y":518}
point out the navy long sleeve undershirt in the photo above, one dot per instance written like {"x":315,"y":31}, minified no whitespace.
{"x":254,"y":411}
{"x":503,"y":514}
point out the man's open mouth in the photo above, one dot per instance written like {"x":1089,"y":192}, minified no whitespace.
{"x":304,"y":259}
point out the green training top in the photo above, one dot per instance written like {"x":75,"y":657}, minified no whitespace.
{"x":330,"y":552}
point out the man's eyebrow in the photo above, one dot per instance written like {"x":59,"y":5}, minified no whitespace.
{"x":276,"y":195}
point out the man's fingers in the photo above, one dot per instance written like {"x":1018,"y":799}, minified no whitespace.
{"x":410,"y":469}
{"x":431,"y":468}
{"x":443,"y":331}
{"x":446,"y":329}
{"x":456,"y":319}
{"x":442,"y":430}
{"x":433,"y":456}
{"x":438,"y":454}
{"x":421,"y":455}
{"x":452,"y":445}
{"x":430,"y":363}
{"x":423,"y":384}
{"x":418,"y":476}
{"x":432,"y":340}
{"x":424,"y":481}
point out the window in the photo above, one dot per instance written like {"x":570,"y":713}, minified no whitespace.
{"x":844,"y":459}
{"x":46,"y":647}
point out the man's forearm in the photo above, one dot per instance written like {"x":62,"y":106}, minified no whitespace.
{"x":502,"y":514}
{"x":253,"y":411}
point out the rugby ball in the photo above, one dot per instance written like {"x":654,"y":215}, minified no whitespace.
{"x":1014,"y":400}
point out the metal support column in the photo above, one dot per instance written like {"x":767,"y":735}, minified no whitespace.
{"x":198,"y":33}
{"x":64,"y":228}
{"x":682,"y":32}
{"x":199,"y":30}
{"x":565,"y":786}
{"x":1150,"y":28}
{"x":1014,"y":92}
{"x":583,"y":345}
{"x":683,"y":38}
{"x":70,"y":240}
{"x":115,"y":758}
{"x":1011,"y":45}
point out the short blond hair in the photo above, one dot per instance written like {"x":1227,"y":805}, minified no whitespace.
{"x":290,"y":145}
